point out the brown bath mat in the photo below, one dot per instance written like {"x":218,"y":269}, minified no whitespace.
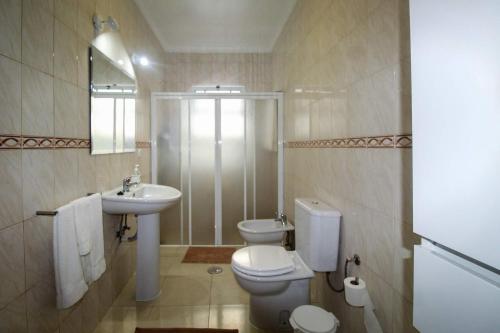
{"x":209,"y":255}
{"x":183,"y":330}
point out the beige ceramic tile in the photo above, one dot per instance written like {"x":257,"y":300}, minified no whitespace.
{"x":185,"y":290}
{"x":232,"y":317}
{"x":12,"y":269}
{"x":66,"y":180}
{"x":83,"y":63}
{"x":225,"y":289}
{"x":38,"y":249}
{"x":404,"y":242}
{"x":13,"y":316}
{"x":66,"y":109}
{"x":90,"y":309}
{"x":66,"y":11}
{"x":380,"y":245}
{"x":10,"y":25}
{"x":37,"y":103}
{"x":38,"y":181}
{"x":11,"y":210}
{"x":85,"y":27}
{"x":120,"y":319}
{"x":86,"y":173}
{"x":73,"y":322}
{"x":38,"y":34}
{"x":83,"y":114}
{"x":403,"y":315}
{"x":10,"y":96}
{"x":105,"y":293}
{"x":42,"y":315}
{"x":65,"y":52}
{"x":172,"y":316}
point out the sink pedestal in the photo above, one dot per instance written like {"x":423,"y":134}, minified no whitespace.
{"x":148,"y":257}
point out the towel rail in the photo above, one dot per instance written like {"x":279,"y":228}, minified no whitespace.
{"x":51,"y":212}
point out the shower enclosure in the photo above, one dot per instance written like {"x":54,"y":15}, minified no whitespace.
{"x":224,"y":152}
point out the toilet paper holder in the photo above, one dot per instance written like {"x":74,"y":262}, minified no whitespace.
{"x":357,"y":261}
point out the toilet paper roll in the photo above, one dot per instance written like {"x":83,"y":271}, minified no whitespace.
{"x":355,"y":294}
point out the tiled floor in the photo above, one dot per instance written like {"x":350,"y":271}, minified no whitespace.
{"x":190,"y":298}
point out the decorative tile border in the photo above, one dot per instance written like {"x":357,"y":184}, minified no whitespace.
{"x":47,"y":142}
{"x":386,"y":141}
{"x":143,"y":144}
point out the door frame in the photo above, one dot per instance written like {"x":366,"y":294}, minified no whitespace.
{"x":277,"y":96}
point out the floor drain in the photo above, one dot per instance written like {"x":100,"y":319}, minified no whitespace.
{"x":214,"y":270}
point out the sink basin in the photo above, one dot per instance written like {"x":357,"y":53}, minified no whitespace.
{"x":143,"y":199}
{"x":146,"y":201}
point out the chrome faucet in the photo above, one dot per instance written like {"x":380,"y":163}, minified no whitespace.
{"x":282,"y":218}
{"x":126,"y":184}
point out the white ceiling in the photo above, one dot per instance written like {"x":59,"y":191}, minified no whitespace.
{"x":216,"y":25}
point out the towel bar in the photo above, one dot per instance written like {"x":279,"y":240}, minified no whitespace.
{"x":51,"y":212}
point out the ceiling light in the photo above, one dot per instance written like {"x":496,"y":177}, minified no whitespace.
{"x":144,"y":61}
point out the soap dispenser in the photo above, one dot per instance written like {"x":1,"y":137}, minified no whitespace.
{"x":136,"y":175}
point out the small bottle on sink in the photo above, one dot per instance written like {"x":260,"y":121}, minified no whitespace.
{"x":135,"y":179}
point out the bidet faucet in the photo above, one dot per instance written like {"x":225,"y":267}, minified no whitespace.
{"x":282,"y":218}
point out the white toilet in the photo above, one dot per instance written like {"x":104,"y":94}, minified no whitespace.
{"x":278,"y":280}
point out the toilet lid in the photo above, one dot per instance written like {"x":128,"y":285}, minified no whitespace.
{"x":313,"y":319}
{"x":263,"y":260}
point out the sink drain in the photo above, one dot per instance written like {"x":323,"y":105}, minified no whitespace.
{"x":214,"y":270}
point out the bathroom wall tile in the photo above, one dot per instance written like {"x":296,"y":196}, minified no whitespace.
{"x":404,"y":242}
{"x":13,"y":316}
{"x":105,"y":292}
{"x":10,"y":25}
{"x":83,"y":63}
{"x":378,"y":180}
{"x":38,"y":181}
{"x":402,"y":321}
{"x":11,"y":210}
{"x":85,"y":29}
{"x":41,"y":305}
{"x":38,"y":247}
{"x":380,"y":245}
{"x":403,"y":185}
{"x":90,"y":309}
{"x":86,"y":173}
{"x":10,"y":96}
{"x":381,"y":294}
{"x":73,"y":323}
{"x":66,"y":109}
{"x":104,"y":172}
{"x":12,"y":269}
{"x":66,"y":11}
{"x":37,"y":103}
{"x":65,"y":53}
{"x":38,"y":34}
{"x":83,"y":110}
{"x":66,"y":181}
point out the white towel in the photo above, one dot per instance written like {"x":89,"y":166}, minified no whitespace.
{"x":70,"y":283}
{"x":97,"y":261}
{"x":83,"y":225}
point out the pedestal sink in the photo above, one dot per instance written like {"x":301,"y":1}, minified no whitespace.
{"x":146,"y":201}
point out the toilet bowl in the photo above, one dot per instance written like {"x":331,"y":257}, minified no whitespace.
{"x":278,"y":280}
{"x":263,"y":231}
{"x":313,"y":319}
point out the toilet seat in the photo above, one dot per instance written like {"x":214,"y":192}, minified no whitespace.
{"x":263,"y":260}
{"x":313,"y":319}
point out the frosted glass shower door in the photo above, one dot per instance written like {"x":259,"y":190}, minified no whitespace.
{"x":223,"y":154}
{"x":185,"y":139}
{"x":248,"y":163}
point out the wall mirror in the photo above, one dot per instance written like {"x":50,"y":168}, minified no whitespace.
{"x":112,"y":96}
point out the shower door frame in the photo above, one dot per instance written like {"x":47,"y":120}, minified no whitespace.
{"x":277,"y":96}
